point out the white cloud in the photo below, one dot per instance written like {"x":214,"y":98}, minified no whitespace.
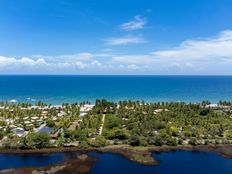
{"x":95,"y":62}
{"x":39,"y":65}
{"x":132,"y":67}
{"x":120,"y":66}
{"x":181,"y":66}
{"x":81,"y":65}
{"x":84,"y":56}
{"x":219,"y":47}
{"x":133,"y":59}
{"x":206,"y":56}
{"x":136,"y":24}
{"x":5,"y":61}
{"x":125,"y":40}
{"x":199,"y":56}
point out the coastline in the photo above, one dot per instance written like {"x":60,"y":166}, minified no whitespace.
{"x":83,"y":162}
{"x":128,"y":151}
{"x":140,"y":155}
{"x":136,"y":138}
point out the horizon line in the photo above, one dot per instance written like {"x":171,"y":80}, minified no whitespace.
{"x":115,"y":74}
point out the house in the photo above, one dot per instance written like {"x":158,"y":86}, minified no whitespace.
{"x":125,"y":119}
{"x":72,"y":144}
{"x":61,"y":114}
{"x":44,"y":113}
{"x":39,"y":122}
{"x":19,"y":131}
{"x":9,"y":121}
{"x":212,"y":106}
{"x":85,"y":109}
{"x":54,"y":118}
{"x":12,"y":126}
{"x":55,"y":135}
{"x":26,"y":118}
{"x":28,"y":125}
{"x":160,"y":110}
{"x":34,"y":118}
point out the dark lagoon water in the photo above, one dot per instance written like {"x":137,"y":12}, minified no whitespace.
{"x":16,"y":161}
{"x":179,"y":162}
{"x":60,"y":89}
{"x":32,"y":160}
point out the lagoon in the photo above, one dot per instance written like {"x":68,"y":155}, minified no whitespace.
{"x":177,"y":162}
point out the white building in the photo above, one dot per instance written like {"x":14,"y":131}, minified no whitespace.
{"x":19,"y":131}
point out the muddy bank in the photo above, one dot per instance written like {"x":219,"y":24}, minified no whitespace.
{"x":137,"y":155}
{"x":131,"y":153}
{"x":143,"y":155}
{"x":40,"y":151}
{"x":83,"y":162}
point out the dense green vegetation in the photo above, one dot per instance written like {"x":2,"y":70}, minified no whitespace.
{"x":170,"y":123}
{"x":126,"y":122}
{"x":35,"y":140}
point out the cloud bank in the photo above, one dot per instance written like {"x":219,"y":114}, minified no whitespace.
{"x":200,"y":56}
{"x":219,"y":47}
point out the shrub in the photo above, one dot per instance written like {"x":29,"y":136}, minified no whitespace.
{"x":157,"y":141}
{"x":171,"y":142}
{"x":50,"y":123}
{"x":193,"y":141}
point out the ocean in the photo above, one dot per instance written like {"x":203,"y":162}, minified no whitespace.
{"x":60,"y":89}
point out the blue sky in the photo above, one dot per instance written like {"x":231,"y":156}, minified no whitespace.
{"x":116,"y":37}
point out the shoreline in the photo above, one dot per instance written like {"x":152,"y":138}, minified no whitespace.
{"x":129,"y":152}
{"x":83,"y":162}
{"x":140,"y":155}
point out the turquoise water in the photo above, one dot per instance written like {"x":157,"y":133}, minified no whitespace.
{"x":59,"y":89}
{"x":179,"y":162}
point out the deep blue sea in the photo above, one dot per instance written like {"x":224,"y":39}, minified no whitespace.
{"x":179,"y":162}
{"x":60,"y":89}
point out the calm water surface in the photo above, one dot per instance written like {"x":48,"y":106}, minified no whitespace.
{"x":32,"y":160}
{"x":16,"y":161}
{"x":179,"y":162}
{"x":60,"y":89}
